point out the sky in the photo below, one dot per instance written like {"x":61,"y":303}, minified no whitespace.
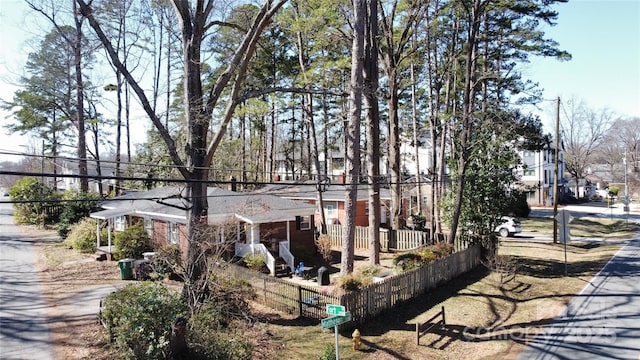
{"x":603,"y":37}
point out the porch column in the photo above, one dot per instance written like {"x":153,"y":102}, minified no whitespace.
{"x":288,"y":232}
{"x":109,"y":236}
{"x":255,"y":234}
{"x":97,"y":233}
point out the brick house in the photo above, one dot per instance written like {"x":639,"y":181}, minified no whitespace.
{"x":251,"y":222}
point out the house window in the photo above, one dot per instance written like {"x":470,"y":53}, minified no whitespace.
{"x":425,"y":200}
{"x":303,"y":222}
{"x":330,"y":210}
{"x":529,"y":172}
{"x":120,"y":223}
{"x":148,"y":226}
{"x":173,"y":236}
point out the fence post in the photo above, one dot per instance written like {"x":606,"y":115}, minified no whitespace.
{"x":444,"y":321}
{"x":299,"y":301}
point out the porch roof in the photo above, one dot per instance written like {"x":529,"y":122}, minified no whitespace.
{"x":111,"y":213}
{"x":308,"y":191}
{"x":169,"y":204}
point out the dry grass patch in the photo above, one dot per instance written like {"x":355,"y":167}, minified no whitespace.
{"x":65,"y":274}
{"x":485,"y":319}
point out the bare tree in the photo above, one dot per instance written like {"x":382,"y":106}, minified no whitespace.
{"x":583,"y":130}
{"x":199,"y":100}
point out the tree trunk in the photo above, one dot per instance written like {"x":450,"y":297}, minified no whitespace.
{"x":468,"y":108}
{"x":373,"y":126}
{"x":82,"y":141}
{"x":352,"y":166}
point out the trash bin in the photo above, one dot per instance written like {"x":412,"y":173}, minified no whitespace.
{"x":126,"y":269}
{"x":323,"y":276}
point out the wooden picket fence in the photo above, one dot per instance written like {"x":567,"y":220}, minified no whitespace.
{"x":390,"y":240}
{"x":393,"y":240}
{"x":380,"y":296}
{"x":364,"y":304}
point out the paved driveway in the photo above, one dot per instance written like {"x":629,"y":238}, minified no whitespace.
{"x":24,"y":333}
{"x":603,"y":321}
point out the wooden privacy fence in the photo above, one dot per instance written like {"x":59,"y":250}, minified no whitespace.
{"x":363,"y":304}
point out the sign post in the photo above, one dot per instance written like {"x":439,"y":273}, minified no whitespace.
{"x":341,"y":316}
{"x":564,"y":218}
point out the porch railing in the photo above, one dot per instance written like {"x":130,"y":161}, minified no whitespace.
{"x":285,"y":254}
{"x":243,"y":249}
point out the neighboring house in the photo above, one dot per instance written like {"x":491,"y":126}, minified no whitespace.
{"x":538,"y":175}
{"x":417,"y":200}
{"x":334,"y":201}
{"x":254,"y":223}
{"x":107,"y":169}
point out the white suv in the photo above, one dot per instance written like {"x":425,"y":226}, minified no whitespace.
{"x":508,"y":226}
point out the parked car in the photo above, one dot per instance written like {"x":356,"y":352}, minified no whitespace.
{"x":508,"y":226}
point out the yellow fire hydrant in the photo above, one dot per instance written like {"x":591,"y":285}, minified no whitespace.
{"x":356,"y":340}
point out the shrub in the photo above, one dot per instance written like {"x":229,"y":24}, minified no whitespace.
{"x":139,"y":319}
{"x":131,"y":242}
{"x":254,"y":261}
{"x":419,"y":222}
{"x":208,"y":338}
{"x":231,"y":298}
{"x":34,"y":212}
{"x":323,"y":242}
{"x":167,"y":260}
{"x":74,"y":211}
{"x":82,"y":236}
{"x":408,"y":261}
{"x":369,"y":270}
{"x":414,"y":260}
{"x":441,"y":249}
{"x":354,"y":282}
{"x":328,"y":353}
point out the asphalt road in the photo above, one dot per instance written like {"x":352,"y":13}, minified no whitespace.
{"x":603,"y":321}
{"x":24,"y":332}
{"x":595,"y":210}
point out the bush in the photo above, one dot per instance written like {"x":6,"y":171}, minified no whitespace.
{"x":328,"y":353}
{"x":254,"y":261}
{"x":323,"y":243}
{"x":36,"y":211}
{"x":419,"y":222}
{"x":354,"y":282}
{"x":414,"y":260}
{"x":131,"y":242}
{"x":408,"y":261}
{"x":139,"y":319}
{"x":208,"y":338}
{"x":167,"y":260}
{"x":82,"y":236}
{"x":369,"y":270}
{"x":74,"y":211}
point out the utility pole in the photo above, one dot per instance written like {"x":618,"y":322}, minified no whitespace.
{"x":555,"y":173}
